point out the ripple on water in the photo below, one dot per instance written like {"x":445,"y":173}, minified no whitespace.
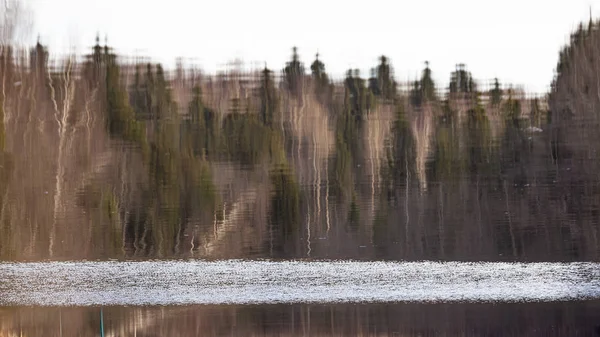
{"x":254,"y":282}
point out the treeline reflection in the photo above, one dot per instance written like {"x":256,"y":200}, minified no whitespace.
{"x":104,"y":158}
{"x":531,"y":319}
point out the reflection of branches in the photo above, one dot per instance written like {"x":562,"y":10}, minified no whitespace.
{"x":4,"y":53}
{"x":32,"y":95}
{"x":62,"y":119}
{"x":230,"y":220}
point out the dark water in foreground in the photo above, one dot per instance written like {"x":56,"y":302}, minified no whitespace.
{"x":579,"y":318}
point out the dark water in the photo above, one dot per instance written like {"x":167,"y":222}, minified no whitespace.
{"x":502,"y":319}
{"x":258,"y":204}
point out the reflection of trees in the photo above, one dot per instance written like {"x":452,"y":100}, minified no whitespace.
{"x":140,"y":163}
{"x":308,"y":319}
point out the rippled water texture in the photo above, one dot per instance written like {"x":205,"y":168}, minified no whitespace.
{"x":263,"y":282}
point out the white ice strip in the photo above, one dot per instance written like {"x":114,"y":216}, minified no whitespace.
{"x":245,"y":282}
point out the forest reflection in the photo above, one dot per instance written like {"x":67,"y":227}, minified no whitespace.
{"x":106,"y":158}
{"x":461,"y":319}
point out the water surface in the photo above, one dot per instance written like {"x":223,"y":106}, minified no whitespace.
{"x":574,"y":318}
{"x":258,"y":204}
{"x":268,"y":282}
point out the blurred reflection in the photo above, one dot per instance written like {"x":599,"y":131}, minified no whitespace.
{"x":104,"y":157}
{"x":533,"y":319}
